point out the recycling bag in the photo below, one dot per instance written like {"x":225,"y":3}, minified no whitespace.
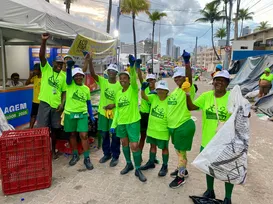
{"x":4,"y":125}
{"x":225,"y":157}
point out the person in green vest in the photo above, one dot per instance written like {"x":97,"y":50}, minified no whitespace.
{"x":77,"y":107}
{"x":157,"y":132}
{"x":180,"y":124}
{"x":126,"y":123}
{"x":145,"y":109}
{"x":265,"y":82}
{"x":107,"y":108}
{"x":52,"y":94}
{"x":214,"y":112}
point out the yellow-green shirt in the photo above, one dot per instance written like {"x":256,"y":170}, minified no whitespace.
{"x":52,"y":86}
{"x":267,"y":78}
{"x":158,"y":125}
{"x":127,"y":111}
{"x":36,"y":81}
{"x":145,"y":105}
{"x":209,"y":118}
{"x":178,"y":112}
{"x":108,"y":93}
{"x":76,"y":97}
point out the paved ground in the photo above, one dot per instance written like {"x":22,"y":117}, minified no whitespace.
{"x":106,"y":185}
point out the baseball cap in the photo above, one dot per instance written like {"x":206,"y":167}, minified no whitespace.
{"x":77,"y":71}
{"x":267,"y":69}
{"x":59,"y":59}
{"x":162,"y":85}
{"x":150,"y":76}
{"x":68,"y":56}
{"x":179,"y":71}
{"x":223,"y":73}
{"x":219,"y":66}
{"x":112,"y":67}
{"x":124,"y":72}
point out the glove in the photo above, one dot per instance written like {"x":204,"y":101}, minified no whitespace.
{"x":153,"y":92}
{"x":186,"y":56}
{"x":132,"y":60}
{"x":109,"y":114}
{"x":70,"y":63}
{"x":138,"y":63}
{"x":84,"y":53}
{"x":112,"y":130}
{"x":144,"y":85}
{"x":186,"y":86}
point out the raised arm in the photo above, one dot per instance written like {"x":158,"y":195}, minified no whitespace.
{"x":42,"y":53}
{"x":186,"y":56}
{"x":69,"y":73}
{"x":144,"y":85}
{"x":88,"y":59}
{"x":29,"y":80}
{"x":139,"y":73}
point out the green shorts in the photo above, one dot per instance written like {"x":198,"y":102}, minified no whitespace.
{"x":104,"y":124}
{"x":76,"y":124}
{"x":161,"y":144}
{"x":132,"y":131}
{"x":182,"y":136}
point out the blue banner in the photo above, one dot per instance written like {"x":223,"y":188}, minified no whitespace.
{"x":16,"y":105}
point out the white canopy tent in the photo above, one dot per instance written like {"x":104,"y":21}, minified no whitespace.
{"x":23,"y":21}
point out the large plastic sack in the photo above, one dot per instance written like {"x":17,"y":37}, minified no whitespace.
{"x":4,"y":125}
{"x":225,"y":157}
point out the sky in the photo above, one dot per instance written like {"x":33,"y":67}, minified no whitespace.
{"x":179,"y":24}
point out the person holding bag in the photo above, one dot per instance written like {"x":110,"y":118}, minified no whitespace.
{"x":215,"y":112}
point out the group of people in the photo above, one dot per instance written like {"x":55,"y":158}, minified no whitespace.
{"x":163,"y":115}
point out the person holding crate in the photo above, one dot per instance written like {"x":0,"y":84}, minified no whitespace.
{"x":77,"y":105}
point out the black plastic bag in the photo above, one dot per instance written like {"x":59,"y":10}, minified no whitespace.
{"x":203,"y":200}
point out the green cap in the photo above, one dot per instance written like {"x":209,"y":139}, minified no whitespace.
{"x":267,"y":70}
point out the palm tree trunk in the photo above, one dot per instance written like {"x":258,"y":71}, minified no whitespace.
{"x":242,"y":27}
{"x":109,"y":17}
{"x":236,"y":29}
{"x":134,"y":34}
{"x":153,"y":37}
{"x":212,"y":40}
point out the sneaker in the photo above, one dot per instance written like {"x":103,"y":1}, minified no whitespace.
{"x":163,"y":171}
{"x":113,"y":162}
{"x":209,"y":194}
{"x":227,"y":201}
{"x":127,"y":168}
{"x":177,"y":182}
{"x":148,"y":165}
{"x":74,"y":160}
{"x":140,"y":175}
{"x":88,"y":164}
{"x":104,"y":159}
{"x":175,"y":173}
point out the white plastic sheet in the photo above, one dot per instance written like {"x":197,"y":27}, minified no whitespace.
{"x":225,"y":157}
{"x":4,"y":125}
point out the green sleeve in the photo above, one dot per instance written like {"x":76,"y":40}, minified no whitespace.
{"x":151,"y":97}
{"x":200,"y":101}
{"x":100,"y":81}
{"x":133,"y":78}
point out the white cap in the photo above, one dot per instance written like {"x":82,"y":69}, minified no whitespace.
{"x":223,"y":73}
{"x":162,"y":85}
{"x":150,"y":76}
{"x":77,"y":71}
{"x":179,"y":71}
{"x":112,"y":67}
{"x":124,"y":72}
{"x":68,"y":56}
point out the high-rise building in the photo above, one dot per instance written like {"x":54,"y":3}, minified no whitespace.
{"x":246,"y":31}
{"x":177,"y":53}
{"x":174,"y":52}
{"x":169,"y":51}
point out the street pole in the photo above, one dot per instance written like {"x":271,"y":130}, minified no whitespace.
{"x":226,"y":62}
{"x":196,"y":51}
{"x":117,"y":28}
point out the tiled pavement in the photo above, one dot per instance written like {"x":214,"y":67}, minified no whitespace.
{"x":106,"y":185}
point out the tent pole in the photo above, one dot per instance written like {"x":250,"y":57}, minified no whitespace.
{"x":3,"y":58}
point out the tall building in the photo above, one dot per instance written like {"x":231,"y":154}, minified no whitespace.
{"x":177,"y":53}
{"x":170,"y":43}
{"x":246,"y":31}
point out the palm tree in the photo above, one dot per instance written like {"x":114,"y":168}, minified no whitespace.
{"x":109,"y":17}
{"x":155,"y":16}
{"x":244,"y":15}
{"x":221,"y":33}
{"x":134,"y":7}
{"x":211,"y":14}
{"x":263,"y":26}
{"x":236,"y":28}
